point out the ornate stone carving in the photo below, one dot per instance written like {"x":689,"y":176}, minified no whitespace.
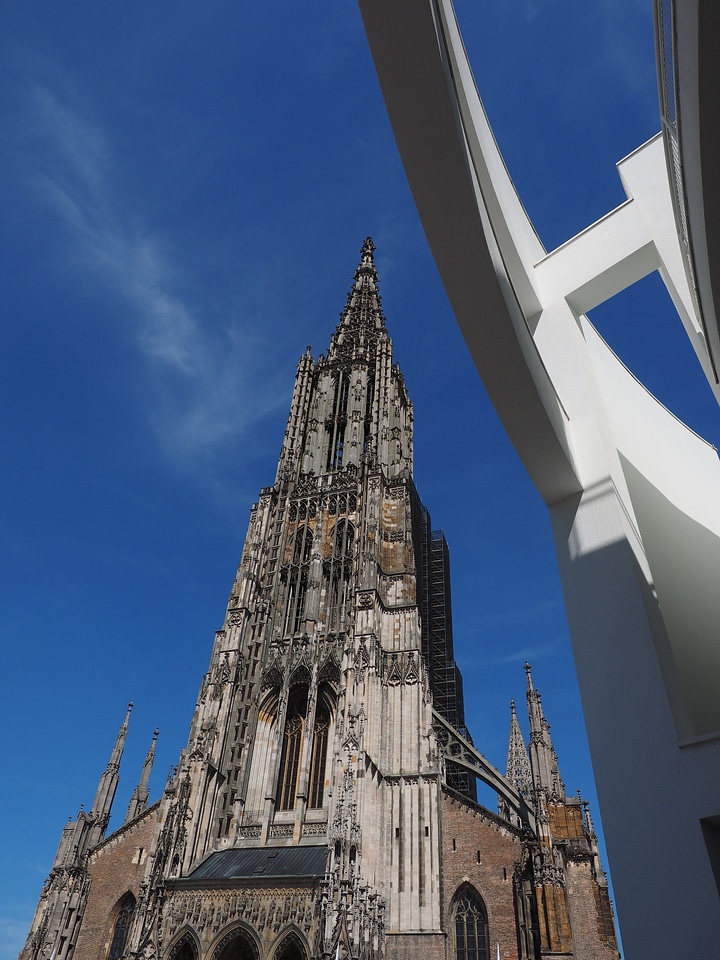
{"x":208,"y":912}
{"x":314,"y":829}
{"x":281,"y":830}
{"x":401,"y":668}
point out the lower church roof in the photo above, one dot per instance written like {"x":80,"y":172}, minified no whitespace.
{"x":263,"y":862}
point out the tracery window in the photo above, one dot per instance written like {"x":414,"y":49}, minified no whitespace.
{"x":338,"y":573}
{"x":313,"y":761}
{"x":319,"y":757}
{"x":336,"y":423}
{"x":297,"y":580}
{"x":122,"y":927}
{"x":291,"y":750}
{"x":367,"y":421}
{"x":470,"y":919}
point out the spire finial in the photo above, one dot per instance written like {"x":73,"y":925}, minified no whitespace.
{"x":543,"y":759}
{"x":107,"y":786}
{"x":368,"y":249}
{"x":141,"y":795}
{"x":517,"y":770}
{"x":361,"y":321}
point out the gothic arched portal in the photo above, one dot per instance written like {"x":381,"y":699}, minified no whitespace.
{"x":184,"y":949}
{"x":291,"y":948}
{"x":236,"y":945}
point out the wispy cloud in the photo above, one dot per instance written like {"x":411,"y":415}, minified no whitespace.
{"x":527,"y":651}
{"x":13,"y":933}
{"x":204,"y":383}
{"x":518,"y":615}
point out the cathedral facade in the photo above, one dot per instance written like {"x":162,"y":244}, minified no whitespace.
{"x":325,"y":805}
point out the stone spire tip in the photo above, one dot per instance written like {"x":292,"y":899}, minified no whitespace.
{"x":368,"y":249}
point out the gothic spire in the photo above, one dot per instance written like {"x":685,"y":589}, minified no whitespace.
{"x":141,"y":794}
{"x":110,"y":778}
{"x":361,"y":321}
{"x":543,"y":759}
{"x":518,"y":762}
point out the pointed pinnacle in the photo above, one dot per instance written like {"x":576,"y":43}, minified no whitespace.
{"x":361,"y":320}
{"x":367,"y":250}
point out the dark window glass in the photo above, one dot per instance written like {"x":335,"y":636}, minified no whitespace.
{"x":471,"y":938}
{"x":122,"y":927}
{"x":291,"y":749}
{"x":319,"y":755}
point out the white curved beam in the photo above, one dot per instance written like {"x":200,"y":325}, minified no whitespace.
{"x":632,"y":493}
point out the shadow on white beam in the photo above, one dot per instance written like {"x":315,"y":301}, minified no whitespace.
{"x":632,"y":492}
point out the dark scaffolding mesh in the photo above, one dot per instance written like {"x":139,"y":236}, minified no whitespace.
{"x":433,"y":576}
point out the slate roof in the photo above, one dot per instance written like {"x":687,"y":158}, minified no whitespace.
{"x":263,"y":862}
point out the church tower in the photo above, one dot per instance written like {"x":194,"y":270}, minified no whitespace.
{"x":325,"y":804}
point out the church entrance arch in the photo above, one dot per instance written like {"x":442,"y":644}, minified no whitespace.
{"x":185,"y":948}
{"x":237,"y":944}
{"x":291,"y":948}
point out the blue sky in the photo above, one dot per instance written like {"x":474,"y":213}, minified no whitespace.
{"x":185,"y":189}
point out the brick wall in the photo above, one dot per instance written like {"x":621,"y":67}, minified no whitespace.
{"x":115,"y":868}
{"x":479,"y":850}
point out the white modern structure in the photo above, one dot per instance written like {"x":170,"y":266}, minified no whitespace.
{"x":633,"y":494}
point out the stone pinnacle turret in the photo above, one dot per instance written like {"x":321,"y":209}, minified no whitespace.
{"x":140,"y":796}
{"x":543,"y":759}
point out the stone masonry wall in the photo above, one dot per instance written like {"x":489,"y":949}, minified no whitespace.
{"x":415,"y":946}
{"x":592,"y":940}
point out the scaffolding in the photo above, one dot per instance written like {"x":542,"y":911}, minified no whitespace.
{"x":432,"y":559}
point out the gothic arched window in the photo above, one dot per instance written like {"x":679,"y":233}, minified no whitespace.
{"x":122,"y":927}
{"x":291,"y":749}
{"x":321,"y":732}
{"x":339,"y":573}
{"x":297,"y":580}
{"x":470,"y":920}
{"x":367,"y":420}
{"x":313,"y":761}
{"x":343,"y":540}
{"x":335,"y":424}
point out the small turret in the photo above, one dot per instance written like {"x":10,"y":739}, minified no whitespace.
{"x":141,"y":794}
{"x":518,"y":770}
{"x":543,"y":759}
{"x":102,"y":804}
